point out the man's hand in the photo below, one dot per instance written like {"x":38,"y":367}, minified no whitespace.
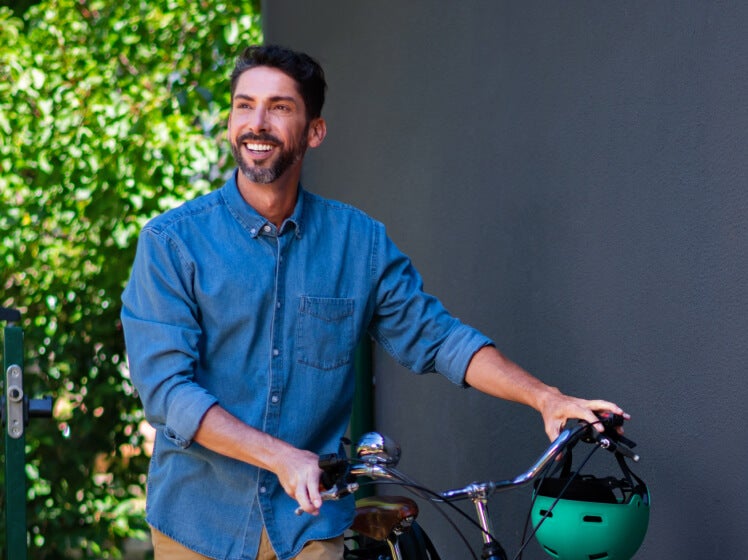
{"x":557,"y":409}
{"x":494,"y":374}
{"x":297,"y":470}
{"x":299,"y":474}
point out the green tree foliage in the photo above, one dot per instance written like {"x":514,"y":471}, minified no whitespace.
{"x":110,"y":112}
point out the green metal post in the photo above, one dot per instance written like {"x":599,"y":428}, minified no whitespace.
{"x":362,"y":418}
{"x":15,"y":459}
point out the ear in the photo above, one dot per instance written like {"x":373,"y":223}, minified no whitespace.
{"x":317,"y":132}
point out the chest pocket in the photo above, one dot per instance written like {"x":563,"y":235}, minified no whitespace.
{"x":325,"y":337}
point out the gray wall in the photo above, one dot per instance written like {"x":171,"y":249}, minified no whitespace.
{"x":570,"y":178}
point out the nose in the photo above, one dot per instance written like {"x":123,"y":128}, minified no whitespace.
{"x":258,"y":120}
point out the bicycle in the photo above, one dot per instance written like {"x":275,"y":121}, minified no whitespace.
{"x":574,"y":516}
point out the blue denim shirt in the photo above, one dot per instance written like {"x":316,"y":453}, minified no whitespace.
{"x":222,"y":307}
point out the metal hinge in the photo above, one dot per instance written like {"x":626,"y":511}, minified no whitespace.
{"x":14,"y":401}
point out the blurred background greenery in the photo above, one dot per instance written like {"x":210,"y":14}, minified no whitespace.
{"x":110,"y":113}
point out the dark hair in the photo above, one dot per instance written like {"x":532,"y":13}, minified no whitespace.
{"x":306,"y":71}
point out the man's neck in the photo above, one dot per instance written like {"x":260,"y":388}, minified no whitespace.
{"x":274,"y":201}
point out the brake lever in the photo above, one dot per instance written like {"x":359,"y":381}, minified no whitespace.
{"x":609,"y":438}
{"x":615,"y":447}
{"x":333,"y":494}
{"x":610,"y":422}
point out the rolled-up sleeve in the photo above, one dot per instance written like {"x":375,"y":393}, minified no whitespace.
{"x":412,"y":325}
{"x":457,"y":350}
{"x":162,"y":334}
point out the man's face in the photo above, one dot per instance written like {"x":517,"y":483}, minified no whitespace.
{"x":268,"y":127}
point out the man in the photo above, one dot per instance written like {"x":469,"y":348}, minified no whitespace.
{"x":241,"y":318}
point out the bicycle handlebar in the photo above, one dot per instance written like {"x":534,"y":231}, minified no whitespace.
{"x":608,"y":439}
{"x":340,"y":473}
{"x":566,"y":437}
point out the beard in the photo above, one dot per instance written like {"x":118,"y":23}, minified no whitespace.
{"x":265,"y":175}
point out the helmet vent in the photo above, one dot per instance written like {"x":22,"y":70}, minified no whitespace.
{"x":546,"y":513}
{"x":550,"y":551}
{"x":593,"y":519}
{"x":599,"y":556}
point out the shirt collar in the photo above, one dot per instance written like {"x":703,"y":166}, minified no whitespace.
{"x":252,"y":220}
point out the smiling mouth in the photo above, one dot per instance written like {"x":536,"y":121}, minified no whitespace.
{"x":258,"y":148}
{"x":259,"y":145}
{"x":258,"y":152}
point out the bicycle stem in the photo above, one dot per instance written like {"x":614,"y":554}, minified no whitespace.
{"x":481,"y":509}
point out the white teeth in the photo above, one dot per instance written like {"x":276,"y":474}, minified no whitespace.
{"x":259,"y":147}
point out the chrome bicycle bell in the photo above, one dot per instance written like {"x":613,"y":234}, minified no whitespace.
{"x":379,"y":449}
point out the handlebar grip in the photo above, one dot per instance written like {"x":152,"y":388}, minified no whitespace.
{"x":333,"y":468}
{"x":330,"y":461}
{"x":610,"y":420}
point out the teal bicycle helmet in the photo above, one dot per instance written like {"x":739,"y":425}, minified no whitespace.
{"x":581,"y":517}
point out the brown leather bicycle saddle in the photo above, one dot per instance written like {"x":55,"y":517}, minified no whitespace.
{"x":378,"y":516}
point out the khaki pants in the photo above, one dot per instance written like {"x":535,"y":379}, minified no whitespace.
{"x":167,"y":549}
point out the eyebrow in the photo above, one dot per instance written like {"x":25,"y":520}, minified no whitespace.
{"x":273,"y":99}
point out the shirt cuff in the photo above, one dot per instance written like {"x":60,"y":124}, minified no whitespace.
{"x":185,"y":415}
{"x":458,"y":349}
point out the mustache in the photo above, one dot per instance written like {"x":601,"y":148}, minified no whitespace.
{"x":252,"y":137}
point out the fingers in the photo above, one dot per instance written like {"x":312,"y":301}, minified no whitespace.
{"x":299,"y":477}
{"x":307,"y":493}
{"x":308,"y":498}
{"x":553,"y":429}
{"x":605,"y":406}
{"x":564,"y":408}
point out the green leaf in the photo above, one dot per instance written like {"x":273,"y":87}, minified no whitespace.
{"x":110,"y":112}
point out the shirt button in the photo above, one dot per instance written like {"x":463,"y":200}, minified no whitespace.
{"x":263,"y":489}
{"x":276,"y":352}
{"x":274,"y":399}
{"x":253,"y":231}
{"x":266,"y":228}
{"x":278,"y":305}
